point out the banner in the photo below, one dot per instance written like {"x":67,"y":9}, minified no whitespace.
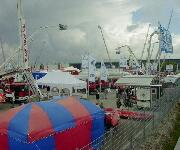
{"x":103,"y":72}
{"x":123,"y":62}
{"x":84,"y":59}
{"x":169,"y":42}
{"x":165,"y":40}
{"x":92,"y":69}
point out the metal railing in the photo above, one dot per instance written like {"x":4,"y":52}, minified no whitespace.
{"x":132,"y":133}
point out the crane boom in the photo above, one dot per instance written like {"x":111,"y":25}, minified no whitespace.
{"x":100,"y":28}
{"x":145,"y":43}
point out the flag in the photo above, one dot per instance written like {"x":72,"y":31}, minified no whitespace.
{"x":92,"y":69}
{"x":165,"y":40}
{"x":84,"y":59}
{"x":103,"y":72}
{"x":123,"y":62}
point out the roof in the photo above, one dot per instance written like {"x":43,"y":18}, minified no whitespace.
{"x":135,"y":80}
{"x":64,"y":79}
{"x":35,"y":121}
{"x":171,"y":78}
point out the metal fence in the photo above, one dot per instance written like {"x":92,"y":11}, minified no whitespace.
{"x":132,"y":133}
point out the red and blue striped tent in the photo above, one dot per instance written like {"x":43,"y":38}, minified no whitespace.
{"x":64,"y":124}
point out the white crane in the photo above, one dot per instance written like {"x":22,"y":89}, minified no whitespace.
{"x":100,"y":28}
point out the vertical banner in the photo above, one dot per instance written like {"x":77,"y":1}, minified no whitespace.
{"x":123,"y":62}
{"x":92,"y":69}
{"x":165,"y":40}
{"x":24,"y":45}
{"x":84,"y":60}
{"x":103,"y":72}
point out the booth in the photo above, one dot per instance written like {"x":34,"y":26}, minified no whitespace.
{"x":146,"y":91}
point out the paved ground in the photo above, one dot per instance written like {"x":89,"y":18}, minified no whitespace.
{"x":110,"y":102}
{"x":6,"y":106}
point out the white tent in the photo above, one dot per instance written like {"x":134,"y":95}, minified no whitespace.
{"x":61,"y":80}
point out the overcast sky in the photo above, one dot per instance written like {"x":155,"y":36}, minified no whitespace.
{"x":123,"y":22}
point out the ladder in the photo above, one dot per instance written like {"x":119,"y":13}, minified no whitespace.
{"x":32,"y":83}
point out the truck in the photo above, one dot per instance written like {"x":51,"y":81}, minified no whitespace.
{"x":18,"y":91}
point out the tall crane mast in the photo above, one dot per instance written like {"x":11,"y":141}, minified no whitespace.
{"x":23,"y":49}
{"x":4,"y":59}
{"x":100,"y":28}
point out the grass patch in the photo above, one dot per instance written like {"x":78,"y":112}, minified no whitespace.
{"x":170,"y":143}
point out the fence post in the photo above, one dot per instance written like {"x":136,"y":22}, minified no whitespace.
{"x":153,"y":120}
{"x":111,"y":139}
{"x":131,"y":143}
{"x":144,"y":129}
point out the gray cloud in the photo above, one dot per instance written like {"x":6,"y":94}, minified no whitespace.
{"x":82,"y":18}
{"x":132,"y":27}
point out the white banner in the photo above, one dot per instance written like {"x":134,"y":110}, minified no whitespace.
{"x":24,"y":45}
{"x":84,"y":59}
{"x":103,"y":72}
{"x":123,"y":62}
{"x":92,"y":69}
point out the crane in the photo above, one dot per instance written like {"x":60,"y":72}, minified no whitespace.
{"x":100,"y":28}
{"x":145,"y":43}
{"x":130,"y":52}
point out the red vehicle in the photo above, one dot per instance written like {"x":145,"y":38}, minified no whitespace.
{"x":17,"y":90}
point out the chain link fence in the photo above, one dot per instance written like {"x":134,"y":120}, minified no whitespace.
{"x":131,"y":133}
